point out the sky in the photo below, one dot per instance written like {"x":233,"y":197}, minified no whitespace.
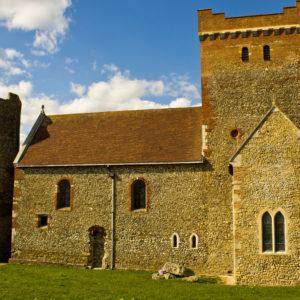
{"x":76,"y":56}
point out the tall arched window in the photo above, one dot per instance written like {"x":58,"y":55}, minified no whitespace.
{"x":138,"y":190}
{"x":175,"y":240}
{"x":245,"y":54}
{"x":267,"y":55}
{"x":194,"y":241}
{"x":279,"y":232}
{"x":63,"y":194}
{"x":267,"y":240}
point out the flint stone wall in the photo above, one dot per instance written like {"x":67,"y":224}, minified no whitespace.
{"x":176,"y":204}
{"x":266,"y":178}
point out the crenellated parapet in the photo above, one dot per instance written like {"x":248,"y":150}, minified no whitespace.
{"x":211,"y":26}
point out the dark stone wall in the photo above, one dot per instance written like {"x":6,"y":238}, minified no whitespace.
{"x":10,"y":110}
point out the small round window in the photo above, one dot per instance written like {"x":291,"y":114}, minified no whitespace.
{"x":235,"y":133}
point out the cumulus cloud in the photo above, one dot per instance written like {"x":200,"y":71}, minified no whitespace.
{"x":77,"y":89}
{"x":13,"y":62}
{"x":46,"y":18}
{"x":118,"y":92}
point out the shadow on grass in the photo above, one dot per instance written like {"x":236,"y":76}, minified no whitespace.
{"x":209,"y":280}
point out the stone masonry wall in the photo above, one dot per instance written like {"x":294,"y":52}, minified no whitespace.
{"x":266,"y":178}
{"x":143,"y":237}
{"x":236,"y":95}
{"x":10,"y":110}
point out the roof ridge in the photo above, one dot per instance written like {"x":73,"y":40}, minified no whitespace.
{"x":127,"y":111}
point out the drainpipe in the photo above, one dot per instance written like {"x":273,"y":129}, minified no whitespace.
{"x":112,"y":175}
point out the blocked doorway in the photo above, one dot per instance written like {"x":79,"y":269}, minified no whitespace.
{"x":97,"y":240}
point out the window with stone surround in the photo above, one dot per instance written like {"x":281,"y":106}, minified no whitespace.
{"x":279,"y":232}
{"x":175,"y":240}
{"x":42,"y":220}
{"x":64,"y":194}
{"x":194,"y":241}
{"x":273,"y":233}
{"x":138,"y":194}
{"x":267,"y":232}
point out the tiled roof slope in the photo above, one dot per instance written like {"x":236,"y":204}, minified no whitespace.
{"x":141,"y":136}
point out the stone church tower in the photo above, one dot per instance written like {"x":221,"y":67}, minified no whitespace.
{"x":10,"y":110}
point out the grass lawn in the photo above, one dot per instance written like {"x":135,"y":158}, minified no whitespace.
{"x":41,"y":282}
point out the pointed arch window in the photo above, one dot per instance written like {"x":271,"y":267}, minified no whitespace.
{"x":267,"y":54}
{"x":273,"y":233}
{"x":267,"y":232}
{"x":245,"y":54}
{"x":279,"y":232}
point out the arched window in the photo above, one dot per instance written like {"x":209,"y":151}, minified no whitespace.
{"x":267,"y":55}
{"x":267,"y":240}
{"x":175,"y":240}
{"x":194,"y":241}
{"x":245,"y":54}
{"x":279,"y":232}
{"x":138,"y":190}
{"x":63,"y":194}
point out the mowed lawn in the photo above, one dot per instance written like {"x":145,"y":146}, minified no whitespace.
{"x":42,"y":282}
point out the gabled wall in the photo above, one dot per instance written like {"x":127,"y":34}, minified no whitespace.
{"x":266,"y":178}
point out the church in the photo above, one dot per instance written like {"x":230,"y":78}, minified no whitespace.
{"x":215,"y":188}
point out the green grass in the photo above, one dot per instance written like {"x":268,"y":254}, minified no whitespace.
{"x":41,"y":282}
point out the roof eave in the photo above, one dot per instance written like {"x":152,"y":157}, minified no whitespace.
{"x":113,"y":164}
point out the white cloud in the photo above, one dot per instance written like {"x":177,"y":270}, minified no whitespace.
{"x":71,"y":71}
{"x":13,"y":62}
{"x":180,"y":102}
{"x":40,"y":64}
{"x":109,"y":68}
{"x":38,"y":52}
{"x":69,"y":60}
{"x":46,"y":18}
{"x":77,"y":89}
{"x":120,"y":92}
{"x":180,"y":85}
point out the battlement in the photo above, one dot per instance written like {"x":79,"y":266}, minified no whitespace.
{"x":11,"y":97}
{"x":213,"y":25}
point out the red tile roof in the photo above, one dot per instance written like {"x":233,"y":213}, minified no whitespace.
{"x":141,"y":136}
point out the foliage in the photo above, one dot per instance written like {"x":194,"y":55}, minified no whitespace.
{"x":43,"y":282}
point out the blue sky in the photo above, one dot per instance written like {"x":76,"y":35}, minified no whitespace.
{"x":98,"y":55}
